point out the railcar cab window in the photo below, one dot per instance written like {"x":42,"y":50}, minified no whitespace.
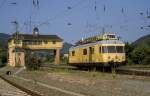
{"x":113,"y":49}
{"x":120,"y":49}
{"x":73,"y":53}
{"x":84,"y":51}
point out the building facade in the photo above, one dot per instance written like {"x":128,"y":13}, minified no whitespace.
{"x":19,"y":43}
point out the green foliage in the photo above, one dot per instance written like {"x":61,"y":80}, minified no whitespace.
{"x":138,"y":55}
{"x":32,"y":62}
{"x":50,"y":59}
{"x":64,"y":60}
{"x":0,"y":46}
{"x":141,"y":54}
{"x":128,"y":49}
{"x":4,"y":58}
{"x":3,"y":55}
{"x":114,"y":74}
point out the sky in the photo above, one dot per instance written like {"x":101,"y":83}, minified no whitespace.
{"x":76,"y":19}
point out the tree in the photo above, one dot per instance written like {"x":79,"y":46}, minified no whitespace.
{"x":32,"y":62}
{"x":141,"y":54}
{"x":3,"y":56}
{"x":128,"y":50}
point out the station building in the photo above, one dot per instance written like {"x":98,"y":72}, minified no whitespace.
{"x":19,"y":43}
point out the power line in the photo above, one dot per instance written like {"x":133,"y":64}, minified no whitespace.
{"x":62,"y":13}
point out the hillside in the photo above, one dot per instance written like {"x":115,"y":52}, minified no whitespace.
{"x":144,"y":39}
{"x":3,"y":39}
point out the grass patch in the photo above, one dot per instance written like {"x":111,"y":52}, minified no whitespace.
{"x":66,"y":71}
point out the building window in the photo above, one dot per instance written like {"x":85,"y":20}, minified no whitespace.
{"x":45,"y":42}
{"x":39,"y":42}
{"x":84,"y":51}
{"x":17,"y":41}
{"x":32,"y":42}
{"x":73,"y":53}
{"x":54,"y":42}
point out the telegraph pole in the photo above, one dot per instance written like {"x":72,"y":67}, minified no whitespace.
{"x":16,"y":24}
{"x":30,"y":25}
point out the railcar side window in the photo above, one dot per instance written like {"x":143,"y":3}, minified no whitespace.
{"x":104,"y":49}
{"x":73,"y":53}
{"x":84,"y":51}
{"x":100,"y":49}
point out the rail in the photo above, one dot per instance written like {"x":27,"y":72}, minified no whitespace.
{"x":32,"y":93}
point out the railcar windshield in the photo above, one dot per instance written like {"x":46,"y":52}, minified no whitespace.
{"x":112,"y":49}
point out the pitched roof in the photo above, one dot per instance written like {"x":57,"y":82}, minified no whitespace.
{"x":37,"y":37}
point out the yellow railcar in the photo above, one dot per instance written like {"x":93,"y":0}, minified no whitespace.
{"x":97,"y":51}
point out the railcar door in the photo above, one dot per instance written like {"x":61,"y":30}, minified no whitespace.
{"x":91,"y":52}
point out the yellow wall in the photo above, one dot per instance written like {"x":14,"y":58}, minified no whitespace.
{"x":12,"y":44}
{"x":49,"y":45}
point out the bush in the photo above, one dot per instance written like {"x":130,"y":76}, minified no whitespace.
{"x":141,"y":54}
{"x":3,"y":56}
{"x":64,"y":60}
{"x":32,"y":62}
{"x":146,"y":60}
{"x":50,"y":59}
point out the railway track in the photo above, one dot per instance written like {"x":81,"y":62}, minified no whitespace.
{"x":29,"y":92}
{"x":133,"y":71}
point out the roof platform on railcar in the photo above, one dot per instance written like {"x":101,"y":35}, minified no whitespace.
{"x":101,"y":37}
